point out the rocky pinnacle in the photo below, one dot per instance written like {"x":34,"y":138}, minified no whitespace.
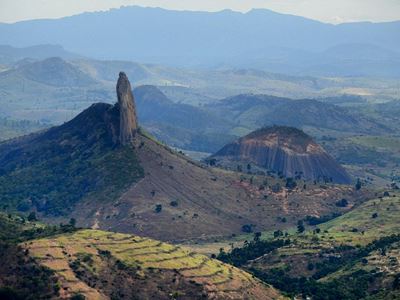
{"x":128,"y":119}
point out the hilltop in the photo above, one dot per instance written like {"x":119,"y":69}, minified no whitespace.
{"x":284,"y":150}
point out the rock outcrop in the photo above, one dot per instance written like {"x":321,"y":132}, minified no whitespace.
{"x":128,"y":118}
{"x":285,"y":150}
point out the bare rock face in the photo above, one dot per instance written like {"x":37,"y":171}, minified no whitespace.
{"x":284,"y":150}
{"x":128,"y":117}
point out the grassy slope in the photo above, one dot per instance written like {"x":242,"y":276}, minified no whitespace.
{"x":339,"y":253}
{"x":361,"y":218}
{"x":85,"y":250}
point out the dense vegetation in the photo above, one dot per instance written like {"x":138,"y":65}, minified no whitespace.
{"x":20,"y":276}
{"x":53,"y":170}
{"x":353,"y":285}
{"x":251,"y":250}
{"x":349,"y":286}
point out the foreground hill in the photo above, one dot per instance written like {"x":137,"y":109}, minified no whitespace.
{"x":107,"y":173}
{"x":51,"y":262}
{"x":284,"y":150}
{"x":104,"y":265}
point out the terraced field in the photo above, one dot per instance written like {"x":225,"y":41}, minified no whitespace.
{"x":79,"y":257}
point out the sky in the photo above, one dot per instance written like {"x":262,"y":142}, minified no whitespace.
{"x":330,"y":11}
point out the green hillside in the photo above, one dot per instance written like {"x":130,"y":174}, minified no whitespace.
{"x":371,"y":220}
{"x":51,"y":171}
{"x":353,"y":256}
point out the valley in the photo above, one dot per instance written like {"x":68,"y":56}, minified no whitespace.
{"x":151,"y":153}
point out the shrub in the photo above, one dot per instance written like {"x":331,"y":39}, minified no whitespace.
{"x":342,"y":203}
{"x":358,"y":184}
{"x":290,"y":183}
{"x":158,"y":208}
{"x":247,"y":228}
{"x":32,"y":217}
{"x":300,"y":227}
{"x":78,"y":297}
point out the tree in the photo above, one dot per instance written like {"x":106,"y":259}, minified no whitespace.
{"x":396,"y":282}
{"x":72,"y":222}
{"x":342,"y":203}
{"x":212,"y":162}
{"x":158,"y":208}
{"x":32,"y":217}
{"x":247,"y":228}
{"x":358,"y":184}
{"x":174,"y":203}
{"x":290,"y":183}
{"x":257,"y":236}
{"x":300,"y":226}
{"x":374,"y":215}
{"x":310,"y":266}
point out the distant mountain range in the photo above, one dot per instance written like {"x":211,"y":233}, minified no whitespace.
{"x":9,"y":54}
{"x":55,"y":90}
{"x":260,"y":38}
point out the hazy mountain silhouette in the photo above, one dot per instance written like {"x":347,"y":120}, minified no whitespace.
{"x":261,"y":38}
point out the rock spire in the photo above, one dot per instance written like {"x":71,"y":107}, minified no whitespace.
{"x":128,"y":119}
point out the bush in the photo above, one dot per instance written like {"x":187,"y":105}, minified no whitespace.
{"x":290,"y":183}
{"x":32,"y":217}
{"x":358,"y":184}
{"x":158,"y":208}
{"x":78,"y":297}
{"x":247,"y":228}
{"x":342,"y":203}
{"x":300,"y":227}
{"x":8,"y":293}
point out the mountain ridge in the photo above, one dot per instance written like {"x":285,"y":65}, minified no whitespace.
{"x":214,"y":43}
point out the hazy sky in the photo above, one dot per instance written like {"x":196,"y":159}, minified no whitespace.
{"x":332,"y":11}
